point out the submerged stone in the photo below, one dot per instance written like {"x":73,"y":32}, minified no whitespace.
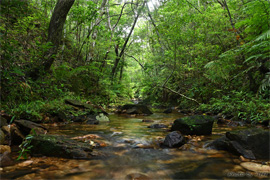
{"x":157,"y":126}
{"x":194,"y":125}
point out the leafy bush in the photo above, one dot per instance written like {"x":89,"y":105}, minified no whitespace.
{"x":241,"y":105}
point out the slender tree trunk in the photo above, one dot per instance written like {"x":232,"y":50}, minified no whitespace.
{"x":125,"y":44}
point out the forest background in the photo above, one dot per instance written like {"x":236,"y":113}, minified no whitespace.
{"x":205,"y":55}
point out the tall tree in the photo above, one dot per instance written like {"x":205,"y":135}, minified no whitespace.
{"x":126,"y":41}
{"x":56,"y":26}
{"x":55,"y":32}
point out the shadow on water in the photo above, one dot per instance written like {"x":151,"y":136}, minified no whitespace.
{"x":132,"y":152}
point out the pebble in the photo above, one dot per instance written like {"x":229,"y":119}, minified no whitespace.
{"x":25,"y":163}
{"x":243,"y":159}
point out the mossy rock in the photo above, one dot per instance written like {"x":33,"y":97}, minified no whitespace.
{"x":135,"y":109}
{"x":194,"y":125}
{"x":60,"y":146}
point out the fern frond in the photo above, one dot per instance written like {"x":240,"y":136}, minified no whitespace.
{"x":265,"y":82}
{"x":264,"y":36}
{"x":210,"y":64}
{"x":253,"y":57}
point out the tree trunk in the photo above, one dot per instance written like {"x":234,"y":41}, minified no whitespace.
{"x":56,"y":26}
{"x":55,"y":32}
{"x":126,"y":41}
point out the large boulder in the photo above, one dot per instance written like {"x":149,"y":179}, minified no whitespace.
{"x":87,"y":118}
{"x":174,"y":139}
{"x":251,"y":143}
{"x":26,"y":126}
{"x":135,"y":109}
{"x":89,"y":106}
{"x":60,"y":146}
{"x":194,"y":125}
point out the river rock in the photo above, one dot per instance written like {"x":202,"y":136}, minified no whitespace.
{"x":194,"y":125}
{"x":89,"y":105}
{"x":13,"y":134}
{"x":251,"y":143}
{"x":2,"y":137}
{"x":147,"y":120}
{"x":174,"y":139}
{"x":256,"y":167}
{"x":26,"y":126}
{"x":3,"y":115}
{"x":60,"y":146}
{"x":137,"y":176}
{"x":87,"y":118}
{"x":6,"y":160}
{"x":3,"y":122}
{"x":135,"y":109}
{"x":158,"y":126}
{"x":102,"y":117}
{"x":90,"y":118}
{"x":167,"y":111}
{"x":4,"y":148}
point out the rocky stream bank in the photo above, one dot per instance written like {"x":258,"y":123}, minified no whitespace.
{"x":92,"y":134}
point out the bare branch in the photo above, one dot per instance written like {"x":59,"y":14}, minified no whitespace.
{"x":182,"y":95}
{"x":194,"y":6}
{"x":135,"y":60}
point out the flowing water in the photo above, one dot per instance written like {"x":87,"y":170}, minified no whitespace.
{"x":130,"y":150}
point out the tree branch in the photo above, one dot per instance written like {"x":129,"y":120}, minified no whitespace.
{"x":194,"y":6}
{"x":182,"y":95}
{"x":135,"y":60}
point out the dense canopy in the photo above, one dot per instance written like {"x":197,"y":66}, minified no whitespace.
{"x":209,"y":55}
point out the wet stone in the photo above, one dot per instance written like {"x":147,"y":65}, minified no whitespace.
{"x":174,"y":139}
{"x":245,"y":143}
{"x":135,"y":109}
{"x":158,"y":126}
{"x":137,"y":176}
{"x":60,"y":146}
{"x":26,"y":126}
{"x":194,"y":125}
{"x":147,"y":120}
{"x":5,"y":160}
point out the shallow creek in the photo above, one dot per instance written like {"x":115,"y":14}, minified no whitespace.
{"x":132,"y":151}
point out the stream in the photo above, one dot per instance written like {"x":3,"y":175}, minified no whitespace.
{"x":131,"y":150}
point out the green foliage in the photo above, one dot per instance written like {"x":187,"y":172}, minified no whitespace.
{"x":193,"y":46}
{"x":26,"y":145}
{"x":241,"y":105}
